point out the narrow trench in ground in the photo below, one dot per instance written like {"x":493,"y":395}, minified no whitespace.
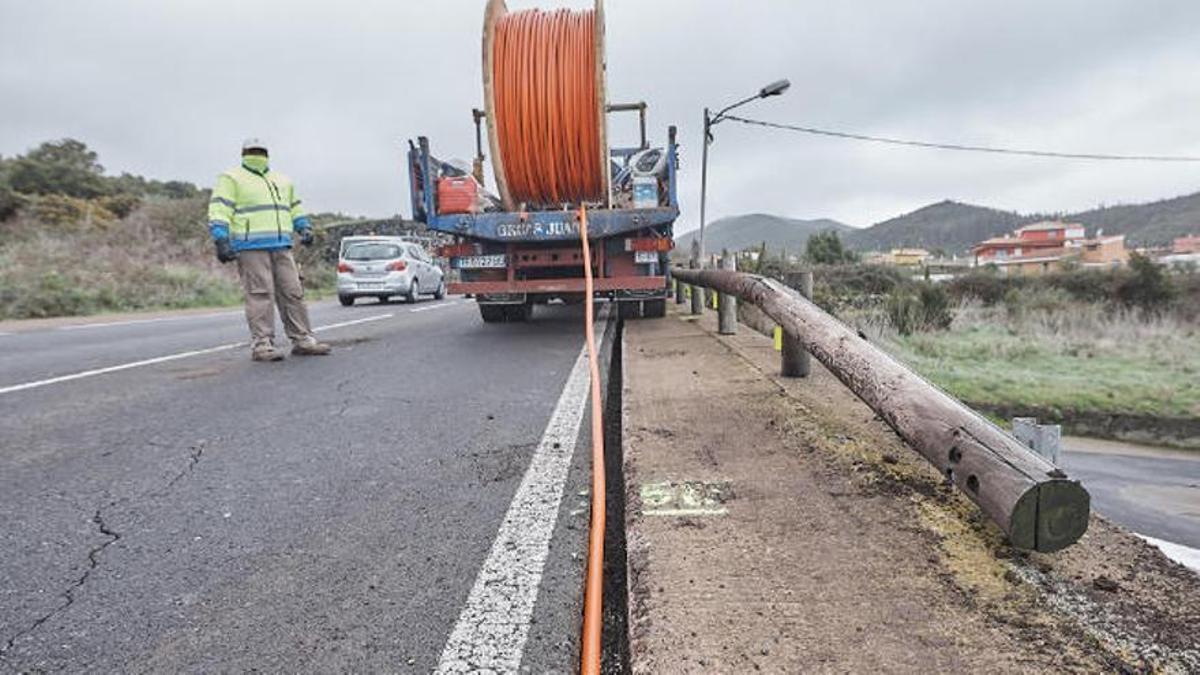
{"x":615,"y":656}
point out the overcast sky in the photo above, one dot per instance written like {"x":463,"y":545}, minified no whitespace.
{"x":169,"y":89}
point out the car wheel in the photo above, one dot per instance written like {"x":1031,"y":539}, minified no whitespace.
{"x":413,"y":291}
{"x":346,"y":300}
{"x":440,"y":293}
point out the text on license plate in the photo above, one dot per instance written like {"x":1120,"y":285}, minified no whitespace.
{"x":645,"y":256}
{"x":370,"y":284}
{"x":481,"y":262}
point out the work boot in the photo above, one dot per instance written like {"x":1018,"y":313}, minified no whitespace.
{"x":309,"y":346}
{"x":264,"y":350}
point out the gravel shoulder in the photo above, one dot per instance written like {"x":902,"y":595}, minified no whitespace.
{"x":778,"y":525}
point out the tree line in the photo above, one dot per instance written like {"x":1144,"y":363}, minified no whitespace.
{"x":70,"y":168}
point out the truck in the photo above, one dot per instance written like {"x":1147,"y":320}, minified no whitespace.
{"x":513,"y":259}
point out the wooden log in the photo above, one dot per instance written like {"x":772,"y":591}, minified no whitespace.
{"x":1031,"y":500}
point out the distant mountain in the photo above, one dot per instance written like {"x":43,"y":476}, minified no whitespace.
{"x":1155,"y":223}
{"x":741,"y":232}
{"x":953,"y":227}
{"x":950,"y":226}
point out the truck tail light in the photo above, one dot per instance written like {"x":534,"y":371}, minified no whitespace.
{"x":398,"y":266}
{"x":343,"y":267}
{"x":650,"y":244}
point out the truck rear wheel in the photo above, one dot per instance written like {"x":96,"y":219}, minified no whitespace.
{"x":654,"y":309}
{"x":492,"y":313}
{"x":522,"y":312}
{"x":629,"y":309}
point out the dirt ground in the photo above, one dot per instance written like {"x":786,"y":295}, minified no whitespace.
{"x":777,"y":525}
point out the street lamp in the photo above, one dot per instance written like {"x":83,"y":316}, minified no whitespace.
{"x":773,"y":89}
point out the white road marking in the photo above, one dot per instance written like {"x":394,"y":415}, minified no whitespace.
{"x":130,"y":322}
{"x":1184,"y":555}
{"x":437,"y":306}
{"x":113,"y":369}
{"x":352,"y":322}
{"x":164,"y":359}
{"x":491,"y":630}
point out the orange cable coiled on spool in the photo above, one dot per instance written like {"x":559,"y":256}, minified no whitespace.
{"x":547,"y":112}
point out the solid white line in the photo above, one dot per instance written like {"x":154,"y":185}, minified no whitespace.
{"x":491,"y":630}
{"x":1184,"y":555}
{"x":164,"y":359}
{"x":130,"y":322}
{"x":113,"y":369}
{"x":437,"y":306}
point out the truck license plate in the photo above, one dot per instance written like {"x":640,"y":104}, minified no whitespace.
{"x":482,"y":262}
{"x":645,"y":256}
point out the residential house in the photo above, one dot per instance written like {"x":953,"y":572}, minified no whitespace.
{"x":1102,"y":251}
{"x":1042,"y":247}
{"x":1186,"y":244}
{"x":908,"y":257}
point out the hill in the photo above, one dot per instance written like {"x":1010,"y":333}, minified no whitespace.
{"x":947,"y":225}
{"x":1155,"y":223}
{"x":953,"y":227}
{"x":740,"y":232}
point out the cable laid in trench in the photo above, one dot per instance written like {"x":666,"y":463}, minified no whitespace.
{"x":593,"y":596}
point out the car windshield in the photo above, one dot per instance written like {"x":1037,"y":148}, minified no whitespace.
{"x":372,"y":252}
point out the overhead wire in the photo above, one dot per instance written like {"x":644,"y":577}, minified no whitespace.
{"x":965,"y":148}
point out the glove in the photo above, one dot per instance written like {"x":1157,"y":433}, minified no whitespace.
{"x":225,"y":252}
{"x":306,"y":236}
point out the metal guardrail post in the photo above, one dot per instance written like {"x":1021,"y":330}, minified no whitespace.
{"x":679,"y":292}
{"x":796,"y":361}
{"x":727,"y":320}
{"x":1032,"y":501}
{"x":1044,"y":439}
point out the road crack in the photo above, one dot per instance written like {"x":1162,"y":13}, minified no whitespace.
{"x":68,"y":595}
{"x":195,"y":452}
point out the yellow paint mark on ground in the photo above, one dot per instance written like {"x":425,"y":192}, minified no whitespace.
{"x":685,"y":498}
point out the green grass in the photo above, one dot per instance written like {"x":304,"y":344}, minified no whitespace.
{"x":159,"y":257}
{"x":1104,"y":364}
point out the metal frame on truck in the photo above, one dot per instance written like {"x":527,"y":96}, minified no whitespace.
{"x":512,"y":259}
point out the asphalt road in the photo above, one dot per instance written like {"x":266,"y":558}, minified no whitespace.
{"x":208,"y":513}
{"x":1152,"y":491}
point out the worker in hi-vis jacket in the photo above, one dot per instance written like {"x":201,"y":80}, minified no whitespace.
{"x":252,"y":216}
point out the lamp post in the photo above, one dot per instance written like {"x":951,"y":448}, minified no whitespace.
{"x":774,"y":89}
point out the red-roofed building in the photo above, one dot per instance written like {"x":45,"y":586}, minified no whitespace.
{"x":1034,"y":240}
{"x":1186,"y":244}
{"x":1041,"y":247}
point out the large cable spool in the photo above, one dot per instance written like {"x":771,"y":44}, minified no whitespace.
{"x":545,"y":99}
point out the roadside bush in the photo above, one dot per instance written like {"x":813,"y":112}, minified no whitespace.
{"x":984,"y":285}
{"x":120,"y":205}
{"x":928,"y":308}
{"x":63,"y":212}
{"x":1147,"y":287}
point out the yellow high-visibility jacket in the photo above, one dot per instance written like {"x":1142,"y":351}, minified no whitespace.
{"x":255,"y":210}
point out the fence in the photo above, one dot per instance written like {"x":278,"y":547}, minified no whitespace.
{"x":1032,"y":500}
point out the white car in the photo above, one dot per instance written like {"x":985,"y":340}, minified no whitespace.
{"x":382,"y":267}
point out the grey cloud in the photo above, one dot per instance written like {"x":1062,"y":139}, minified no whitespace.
{"x":169,"y":89}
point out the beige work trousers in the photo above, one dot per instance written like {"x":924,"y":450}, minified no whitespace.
{"x":271,"y":278}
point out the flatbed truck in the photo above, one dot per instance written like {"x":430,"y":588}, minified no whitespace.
{"x":512,"y":260}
